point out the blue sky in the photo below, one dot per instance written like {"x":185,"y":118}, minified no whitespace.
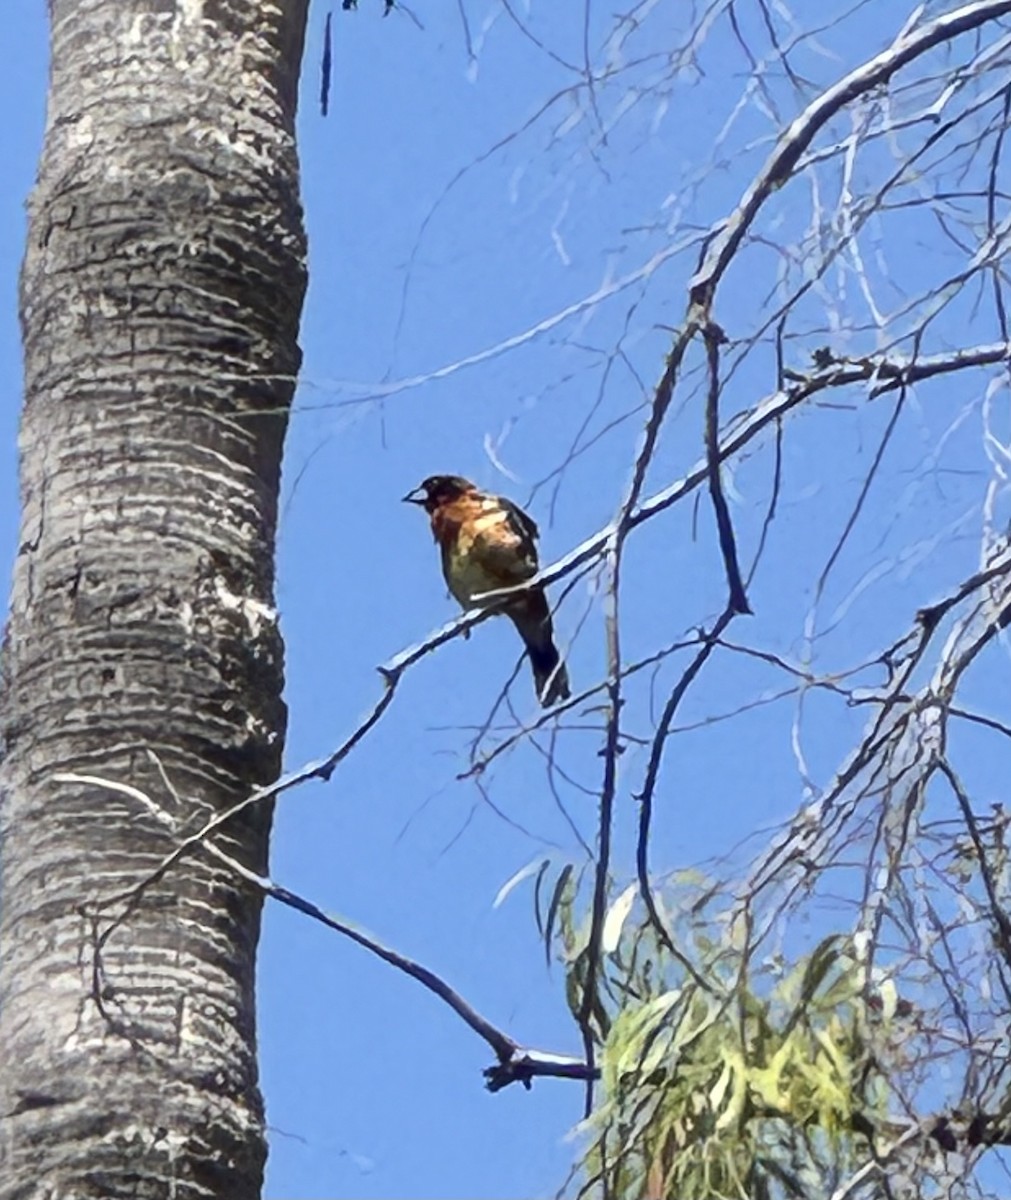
{"x":462,"y":197}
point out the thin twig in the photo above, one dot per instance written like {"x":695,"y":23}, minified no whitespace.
{"x":612,"y":549}
{"x":728,"y":547}
{"x":645,"y":796}
{"x":1000,"y":917}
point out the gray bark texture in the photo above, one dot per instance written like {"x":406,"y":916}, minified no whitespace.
{"x":160,"y":299}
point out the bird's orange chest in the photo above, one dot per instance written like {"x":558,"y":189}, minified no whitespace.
{"x":464,"y":532}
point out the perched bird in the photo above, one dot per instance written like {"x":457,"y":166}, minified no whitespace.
{"x":488,"y":543}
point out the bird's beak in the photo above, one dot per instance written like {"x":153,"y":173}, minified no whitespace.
{"x":415,"y":496}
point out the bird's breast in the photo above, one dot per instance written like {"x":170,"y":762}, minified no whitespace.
{"x":465,"y":573}
{"x":481,"y":551}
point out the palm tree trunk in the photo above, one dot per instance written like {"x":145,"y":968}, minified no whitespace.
{"x":160,"y":300}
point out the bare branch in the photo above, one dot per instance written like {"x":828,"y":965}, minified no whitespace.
{"x":728,"y":547}
{"x":800,"y":133}
{"x":516,"y":1064}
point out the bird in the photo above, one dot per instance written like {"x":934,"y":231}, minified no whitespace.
{"x":489,"y":543}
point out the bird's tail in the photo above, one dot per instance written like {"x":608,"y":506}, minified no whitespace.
{"x":533,"y":620}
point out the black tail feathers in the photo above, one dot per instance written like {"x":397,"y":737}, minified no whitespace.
{"x":551,"y":679}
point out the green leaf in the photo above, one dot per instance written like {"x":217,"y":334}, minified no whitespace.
{"x":557,"y":895}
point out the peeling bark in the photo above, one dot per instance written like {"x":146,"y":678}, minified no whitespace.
{"x":160,"y":298}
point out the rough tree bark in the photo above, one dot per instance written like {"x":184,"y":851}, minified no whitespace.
{"x":160,"y":299}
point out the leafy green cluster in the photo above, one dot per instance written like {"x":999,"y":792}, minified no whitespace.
{"x":740,"y":1083}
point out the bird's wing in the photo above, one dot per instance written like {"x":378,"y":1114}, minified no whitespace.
{"x":522,"y":523}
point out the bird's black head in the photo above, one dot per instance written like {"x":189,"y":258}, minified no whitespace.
{"x":437,"y":490}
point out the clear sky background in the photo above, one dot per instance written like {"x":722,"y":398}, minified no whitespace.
{"x":497,"y":254}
